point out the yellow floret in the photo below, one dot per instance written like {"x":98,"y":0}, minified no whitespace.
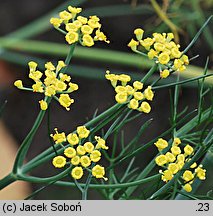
{"x":65,"y":101}
{"x":85,"y":161}
{"x":77,"y":172}
{"x":87,"y":40}
{"x":161,"y":144}
{"x":83,"y":132}
{"x":70,"y":152}
{"x":121,"y":97}
{"x":43,"y":105}
{"x":161,"y":160}
{"x":71,"y":37}
{"x":148,"y":93}
{"x":59,"y":161}
{"x":73,"y":139}
{"x":95,"y":156}
{"x":164,"y":74}
{"x":145,"y":107}
{"x":133,"y":104}
{"x":98,"y":171}
{"x":18,"y":84}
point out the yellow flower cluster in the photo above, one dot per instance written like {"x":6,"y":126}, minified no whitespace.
{"x":80,"y":153}
{"x":79,"y":28}
{"x":50,"y":82}
{"x":174,"y":160}
{"x":131,"y":94}
{"x":162,"y":49}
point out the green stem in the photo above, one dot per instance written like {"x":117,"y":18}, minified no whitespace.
{"x":7,"y":180}
{"x":95,"y":186}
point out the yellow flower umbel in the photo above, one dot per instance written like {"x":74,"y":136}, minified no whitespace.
{"x":83,"y":30}
{"x":81,"y":152}
{"x":173,"y":162}
{"x":162,"y":49}
{"x":50,"y":83}
{"x":130,"y":95}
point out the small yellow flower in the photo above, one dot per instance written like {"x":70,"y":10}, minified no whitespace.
{"x":113,"y":78}
{"x":65,"y":101}
{"x":121,"y":89}
{"x":74,"y":10}
{"x":133,"y":104}
{"x":77,"y":172}
{"x":56,"y":22}
{"x":181,"y":157}
{"x":164,"y":74}
{"x":124,"y":79}
{"x":148,"y":93}
{"x":60,"y":86}
{"x":161,"y":160}
{"x":139,"y":33}
{"x":130,"y":90}
{"x":85,"y":161}
{"x":61,"y":65}
{"x":146,"y":43}
{"x":95,"y":156}
{"x":176,"y":141}
{"x":87,"y":40}
{"x":81,"y":150}
{"x":72,"y":87}
{"x":175,"y":53}
{"x":64,"y":77}
{"x":170,"y":157}
{"x":138,"y":85}
{"x":82,"y":19}
{"x":188,"y":176}
{"x":35,"y":75}
{"x":75,"y":160}
{"x":161,"y":144}
{"x":71,"y":37}
{"x":65,"y":16}
{"x":71,"y":27}
{"x":175,"y":150}
{"x":121,"y":97}
{"x":101,"y":143}
{"x":77,"y":23}
{"x":94,"y":23}
{"x":38,"y":87}
{"x":18,"y":84}
{"x":193,"y":165}
{"x":152,"y":53}
{"x":188,"y":150}
{"x":159,"y":46}
{"x":201,"y":173}
{"x":178,"y":65}
{"x":83,"y":132}
{"x":50,"y":90}
{"x":59,"y":161}
{"x":43,"y":105}
{"x":173,"y":167}
{"x":138,"y":95}
{"x":98,"y":171}
{"x":187,"y":187}
{"x":180,"y":164}
{"x":164,"y":58}
{"x":185,"y":59}
{"x":32,"y":65}
{"x":145,"y":107}
{"x":58,"y":137}
{"x":86,"y":29}
{"x":100,"y":36}
{"x":49,"y":66}
{"x":133,"y":44}
{"x":70,"y":152}
{"x":167,"y":175}
{"x":73,"y":139}
{"x":89,"y":147}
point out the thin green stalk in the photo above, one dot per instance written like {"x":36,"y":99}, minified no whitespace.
{"x":95,"y":186}
{"x":7,"y":180}
{"x":174,"y":117}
